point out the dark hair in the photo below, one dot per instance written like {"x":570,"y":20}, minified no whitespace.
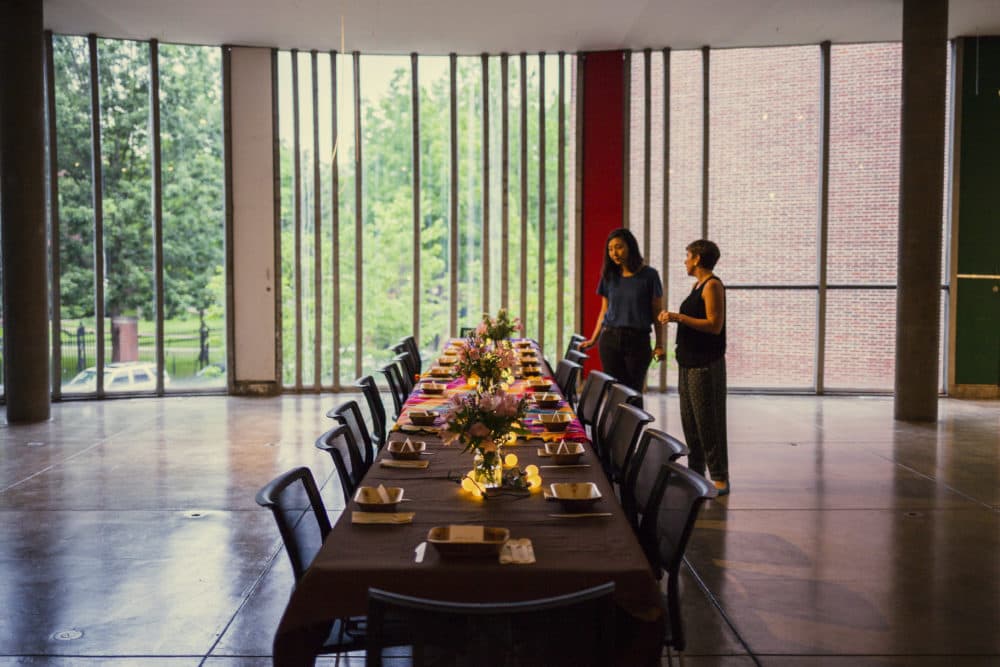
{"x":707,"y":252}
{"x":633,"y":261}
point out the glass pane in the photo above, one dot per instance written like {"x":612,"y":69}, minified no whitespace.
{"x":286,"y":139}
{"x":76,"y":215}
{"x":864,"y":163}
{"x":518,"y":268}
{"x":470,"y":184}
{"x":128,"y":230}
{"x":191,"y":150}
{"x":569,"y":265}
{"x":685,"y":180}
{"x":435,"y":201}
{"x":306,"y":260}
{"x":637,"y":147}
{"x":495,"y":185}
{"x":655,"y":257}
{"x":347,"y":283}
{"x":387,"y":150}
{"x":776,"y":351}
{"x":764,"y":163}
{"x":860,"y":357}
{"x":324,"y":250}
{"x":551,"y":102}
{"x":531,"y":275}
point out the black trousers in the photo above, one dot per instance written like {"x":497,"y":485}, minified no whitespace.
{"x":625,"y":354}
{"x":703,"y":417}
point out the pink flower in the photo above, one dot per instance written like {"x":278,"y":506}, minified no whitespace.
{"x":479,"y":430}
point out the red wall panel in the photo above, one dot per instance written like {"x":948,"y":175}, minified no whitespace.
{"x":603,"y":171}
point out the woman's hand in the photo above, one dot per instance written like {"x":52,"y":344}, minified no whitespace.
{"x":666,"y":316}
{"x":658,"y":353}
{"x":587,"y":344}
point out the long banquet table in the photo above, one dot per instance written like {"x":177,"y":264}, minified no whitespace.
{"x":571,"y":554}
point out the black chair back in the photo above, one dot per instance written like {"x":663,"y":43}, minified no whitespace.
{"x":349,"y":414}
{"x":615,"y":395}
{"x":339,"y":443}
{"x":573,"y":344}
{"x":395,"y":381}
{"x":403,"y":357}
{"x":627,"y":423}
{"x":380,"y":427}
{"x":411,"y":345}
{"x":678,"y":498}
{"x":298,"y":509}
{"x":577,"y":357}
{"x":407,"y":378}
{"x":655,"y":449}
{"x":567,"y":375}
{"x":595,"y":387}
{"x":574,"y":629}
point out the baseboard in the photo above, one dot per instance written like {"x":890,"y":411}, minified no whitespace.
{"x":256,"y":388}
{"x":975,"y":391}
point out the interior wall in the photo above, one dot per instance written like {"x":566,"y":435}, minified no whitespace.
{"x":251,"y":143}
{"x":977,"y":267}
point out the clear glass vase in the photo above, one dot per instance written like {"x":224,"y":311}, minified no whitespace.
{"x":488,"y":468}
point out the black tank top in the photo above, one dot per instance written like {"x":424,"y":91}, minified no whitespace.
{"x":697,"y":348}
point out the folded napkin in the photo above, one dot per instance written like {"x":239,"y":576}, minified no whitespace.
{"x":382,"y":517}
{"x":397,"y":463}
{"x":519,"y":552}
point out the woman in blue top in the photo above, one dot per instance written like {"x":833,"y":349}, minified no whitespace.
{"x":631,"y":300}
{"x":701,"y":361}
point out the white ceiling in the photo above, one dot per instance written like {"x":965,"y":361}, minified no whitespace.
{"x":474,"y":26}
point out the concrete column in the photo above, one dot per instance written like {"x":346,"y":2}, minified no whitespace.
{"x":22,"y":211}
{"x":925,"y":35}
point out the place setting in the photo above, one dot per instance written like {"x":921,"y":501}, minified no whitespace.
{"x":405,"y":454}
{"x":379,"y":506}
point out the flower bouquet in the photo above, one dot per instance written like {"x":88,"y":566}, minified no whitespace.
{"x":500,"y":328}
{"x":482,"y":423}
{"x":489,"y":365}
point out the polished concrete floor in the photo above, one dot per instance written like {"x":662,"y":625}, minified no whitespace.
{"x":129,"y":534}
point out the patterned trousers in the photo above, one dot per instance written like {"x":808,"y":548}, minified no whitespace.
{"x":703,"y":416}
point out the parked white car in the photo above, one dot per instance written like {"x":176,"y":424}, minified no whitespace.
{"x":118,"y":376}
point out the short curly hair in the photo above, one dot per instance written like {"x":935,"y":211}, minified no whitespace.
{"x":706,"y":251}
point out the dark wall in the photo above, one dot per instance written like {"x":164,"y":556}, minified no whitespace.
{"x":977,"y":342}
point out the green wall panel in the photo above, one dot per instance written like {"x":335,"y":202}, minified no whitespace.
{"x":977,"y":342}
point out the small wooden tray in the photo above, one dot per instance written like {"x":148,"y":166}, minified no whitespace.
{"x":467,"y":541}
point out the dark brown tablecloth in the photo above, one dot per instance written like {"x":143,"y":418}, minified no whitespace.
{"x":571,"y":554}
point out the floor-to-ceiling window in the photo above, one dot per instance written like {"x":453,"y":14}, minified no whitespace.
{"x":436,"y":245}
{"x":758,"y":125}
{"x":138,"y":217}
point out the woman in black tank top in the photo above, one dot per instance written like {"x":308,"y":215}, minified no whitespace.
{"x":701,"y":361}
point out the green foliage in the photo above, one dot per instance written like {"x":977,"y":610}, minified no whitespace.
{"x":191,"y":151}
